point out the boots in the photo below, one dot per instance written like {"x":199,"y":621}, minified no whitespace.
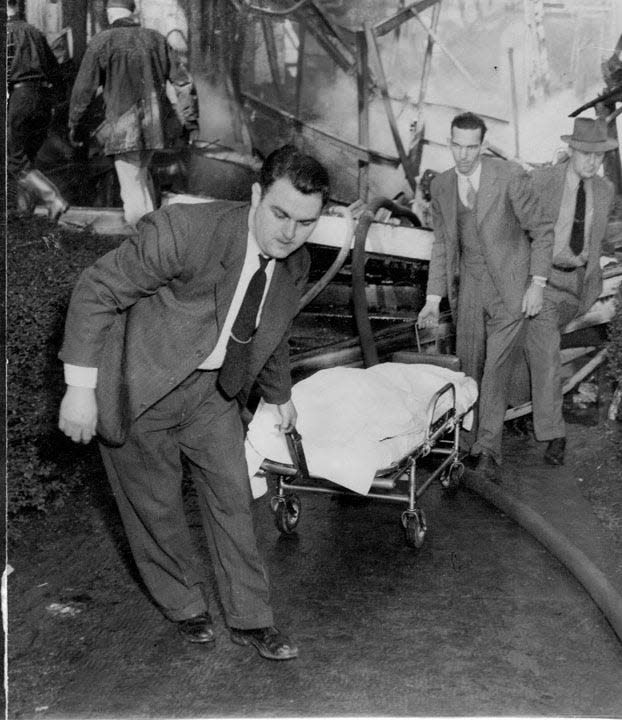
{"x":38,"y":184}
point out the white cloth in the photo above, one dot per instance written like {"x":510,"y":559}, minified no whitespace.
{"x":251,"y":264}
{"x":468,"y":184}
{"x":135,"y":184}
{"x":354,"y":422}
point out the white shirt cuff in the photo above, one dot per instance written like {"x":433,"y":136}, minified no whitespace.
{"x":538,"y":280}
{"x":79,"y":376}
{"x":433,"y":298}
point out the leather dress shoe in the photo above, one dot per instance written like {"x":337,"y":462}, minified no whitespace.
{"x":269,"y":642}
{"x":487,"y":468}
{"x":554,"y":453}
{"x":197,"y":629}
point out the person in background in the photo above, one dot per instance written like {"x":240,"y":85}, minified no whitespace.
{"x":132,"y":64}
{"x":164,"y":339}
{"x":491,"y":272}
{"x":579,"y":203}
{"x":32,"y":76}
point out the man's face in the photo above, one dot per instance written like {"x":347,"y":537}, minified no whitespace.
{"x":585,"y":164}
{"x":466,"y":147}
{"x":283,"y":217}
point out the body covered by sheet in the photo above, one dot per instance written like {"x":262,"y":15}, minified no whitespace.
{"x":354,"y":421}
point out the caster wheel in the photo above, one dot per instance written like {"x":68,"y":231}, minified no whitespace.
{"x":452,"y":478}
{"x":415,"y":527}
{"x":287,"y":513}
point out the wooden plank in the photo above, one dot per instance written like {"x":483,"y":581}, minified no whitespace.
{"x":302,"y":35}
{"x":382,"y":84}
{"x":341,"y":55}
{"x":386,"y":26}
{"x":463,"y":71}
{"x":357,"y":152}
{"x":273,"y":56}
{"x":362,"y":80}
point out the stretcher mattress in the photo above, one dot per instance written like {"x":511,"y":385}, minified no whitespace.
{"x":355,"y":421}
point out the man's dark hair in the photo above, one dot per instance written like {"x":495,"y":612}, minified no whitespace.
{"x":304,"y":172}
{"x":469,"y":121}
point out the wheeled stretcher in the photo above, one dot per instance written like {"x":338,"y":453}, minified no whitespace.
{"x":417,"y":411}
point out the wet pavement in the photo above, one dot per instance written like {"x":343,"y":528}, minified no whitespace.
{"x":482,"y":620}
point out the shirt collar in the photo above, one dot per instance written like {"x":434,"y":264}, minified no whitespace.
{"x":252,"y":248}
{"x":572,"y":179}
{"x":473,"y":177}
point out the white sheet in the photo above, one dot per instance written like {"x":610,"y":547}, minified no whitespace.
{"x":354,"y":421}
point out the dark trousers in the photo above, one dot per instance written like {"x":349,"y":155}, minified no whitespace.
{"x":29,"y":113}
{"x":146,"y":477}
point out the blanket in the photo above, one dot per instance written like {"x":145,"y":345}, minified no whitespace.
{"x":354,"y":421}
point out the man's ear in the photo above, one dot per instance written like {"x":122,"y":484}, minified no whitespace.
{"x":255,"y":194}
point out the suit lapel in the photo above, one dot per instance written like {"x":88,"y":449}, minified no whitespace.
{"x":488,"y":191}
{"x":232,"y":238}
{"x":448,"y":203}
{"x":282,"y":295}
{"x":599,"y":216}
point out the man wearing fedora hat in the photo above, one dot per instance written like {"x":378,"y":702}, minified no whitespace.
{"x":132,"y":64}
{"x":578,"y":202}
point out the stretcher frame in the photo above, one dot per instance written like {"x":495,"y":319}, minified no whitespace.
{"x":397,"y":483}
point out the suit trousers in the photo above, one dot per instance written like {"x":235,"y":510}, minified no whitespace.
{"x":487,"y":335}
{"x":194,"y":420}
{"x":135,"y":183}
{"x":542,"y":347}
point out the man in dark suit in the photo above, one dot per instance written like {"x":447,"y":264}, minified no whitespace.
{"x":579,"y":203}
{"x":491,"y":272}
{"x":164,"y":338}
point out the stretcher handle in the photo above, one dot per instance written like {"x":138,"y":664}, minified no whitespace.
{"x":294,"y":445}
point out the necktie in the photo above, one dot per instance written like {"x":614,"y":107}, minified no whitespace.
{"x":470,"y":195}
{"x":577,"y":236}
{"x":233,"y":371}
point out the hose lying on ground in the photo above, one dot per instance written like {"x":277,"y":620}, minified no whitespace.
{"x":597,"y":584}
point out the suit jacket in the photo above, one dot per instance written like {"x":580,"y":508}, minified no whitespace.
{"x":507,"y":209}
{"x":148,"y":313}
{"x":549,"y":183}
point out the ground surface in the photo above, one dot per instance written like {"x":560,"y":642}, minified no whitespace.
{"x":481,"y":621}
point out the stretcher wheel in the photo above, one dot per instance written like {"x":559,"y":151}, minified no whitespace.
{"x":287,"y":513}
{"x":415,"y":527}
{"x":452,"y":478}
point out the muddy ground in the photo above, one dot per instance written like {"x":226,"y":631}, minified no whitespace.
{"x":72,"y":573}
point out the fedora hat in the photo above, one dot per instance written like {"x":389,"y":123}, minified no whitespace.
{"x":590,"y":135}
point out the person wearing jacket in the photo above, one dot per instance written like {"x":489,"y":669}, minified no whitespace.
{"x":32,"y":76}
{"x":578,"y":202}
{"x":490,"y":257}
{"x":132,"y":65}
{"x":158,"y":364}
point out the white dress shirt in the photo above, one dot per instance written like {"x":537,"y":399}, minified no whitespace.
{"x":464,"y":180}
